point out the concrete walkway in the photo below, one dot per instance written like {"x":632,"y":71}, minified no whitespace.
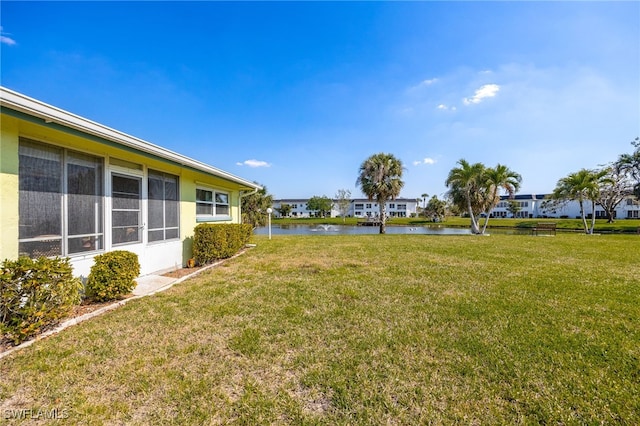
{"x":150,"y":284}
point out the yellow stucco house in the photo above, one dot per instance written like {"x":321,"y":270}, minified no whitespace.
{"x":73,"y":187}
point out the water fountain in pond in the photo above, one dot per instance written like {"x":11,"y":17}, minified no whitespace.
{"x":324,"y":227}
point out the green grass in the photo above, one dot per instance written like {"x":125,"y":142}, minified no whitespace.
{"x":368,"y":329}
{"x":621,"y":225}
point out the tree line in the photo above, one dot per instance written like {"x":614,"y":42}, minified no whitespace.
{"x":474,"y":189}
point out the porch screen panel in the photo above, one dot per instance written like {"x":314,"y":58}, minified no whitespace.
{"x":40,"y":199}
{"x":84,"y":203}
{"x":171,"y":207}
{"x":126,"y":193}
{"x":156,"y":207}
{"x":163,"y":206}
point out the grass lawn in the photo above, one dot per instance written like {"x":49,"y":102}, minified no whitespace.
{"x":366,"y":329}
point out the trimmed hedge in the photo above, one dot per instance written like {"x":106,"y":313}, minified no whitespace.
{"x":35,"y":294}
{"x":113,"y":275}
{"x":219,"y":241}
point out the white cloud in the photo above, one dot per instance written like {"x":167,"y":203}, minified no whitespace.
{"x":6,"y":40}
{"x":428,"y":82}
{"x":486,"y":91}
{"x":444,"y":107}
{"x":427,"y":161}
{"x":254,"y":163}
{"x":423,"y":84}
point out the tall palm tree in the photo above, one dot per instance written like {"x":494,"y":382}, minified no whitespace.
{"x":582,"y":186}
{"x":380,"y":179}
{"x":630,"y":164}
{"x":466,"y":183}
{"x":495,"y":179}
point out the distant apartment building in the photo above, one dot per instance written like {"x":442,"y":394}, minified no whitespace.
{"x":358,"y":207}
{"x":538,"y":206}
{"x":529,"y":206}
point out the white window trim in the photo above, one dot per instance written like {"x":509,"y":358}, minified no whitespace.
{"x":213,"y":217}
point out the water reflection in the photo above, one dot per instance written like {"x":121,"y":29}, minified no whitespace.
{"x":354,"y":230}
{"x":295,"y":229}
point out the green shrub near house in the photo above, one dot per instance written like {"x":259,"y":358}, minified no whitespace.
{"x":219,"y":241}
{"x":35,"y":294}
{"x":112,"y":275}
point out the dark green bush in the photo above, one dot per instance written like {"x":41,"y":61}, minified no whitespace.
{"x":35,"y":294}
{"x":219,"y":241}
{"x":112,"y":275}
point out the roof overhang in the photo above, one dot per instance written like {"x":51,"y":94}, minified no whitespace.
{"x":50,"y":114}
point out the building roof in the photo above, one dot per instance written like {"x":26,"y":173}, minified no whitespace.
{"x":50,"y":115}
{"x":353,"y":200}
{"x":524,"y":197}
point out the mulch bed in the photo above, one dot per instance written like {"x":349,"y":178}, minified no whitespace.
{"x":179,"y":273}
{"x":85,"y":307}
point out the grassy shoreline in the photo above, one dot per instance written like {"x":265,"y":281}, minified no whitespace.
{"x":366,"y":329}
{"x":619,"y":226}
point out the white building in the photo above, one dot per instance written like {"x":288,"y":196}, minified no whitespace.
{"x":531,"y":206}
{"x":358,"y":207}
{"x":400,"y":207}
{"x":537,"y":206}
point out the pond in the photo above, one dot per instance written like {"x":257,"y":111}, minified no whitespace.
{"x":357,"y":230}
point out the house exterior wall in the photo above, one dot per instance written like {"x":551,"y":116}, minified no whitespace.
{"x":153,"y":256}
{"x":8,"y":188}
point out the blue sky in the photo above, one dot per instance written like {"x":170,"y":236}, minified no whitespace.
{"x":296,"y":95}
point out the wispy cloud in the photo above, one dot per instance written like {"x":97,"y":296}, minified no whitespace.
{"x":444,"y":107}
{"x":426,"y":160}
{"x":423,"y":84}
{"x":254,"y":163}
{"x":486,"y":91}
{"x":4,"y":39}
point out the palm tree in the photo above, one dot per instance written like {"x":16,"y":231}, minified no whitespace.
{"x":254,"y":207}
{"x":496,"y":178}
{"x":630,"y":164}
{"x":380,"y":178}
{"x":583,"y":186}
{"x":466,"y":183}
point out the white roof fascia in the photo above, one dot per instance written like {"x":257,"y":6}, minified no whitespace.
{"x":51,"y":114}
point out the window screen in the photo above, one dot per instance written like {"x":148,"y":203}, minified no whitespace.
{"x":163,"y":206}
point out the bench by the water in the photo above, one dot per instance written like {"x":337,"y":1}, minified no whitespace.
{"x":369,"y":222}
{"x":544,"y":228}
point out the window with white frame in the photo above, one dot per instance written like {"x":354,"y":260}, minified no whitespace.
{"x":163,"y":206}
{"x":60,"y":200}
{"x":210,"y":203}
